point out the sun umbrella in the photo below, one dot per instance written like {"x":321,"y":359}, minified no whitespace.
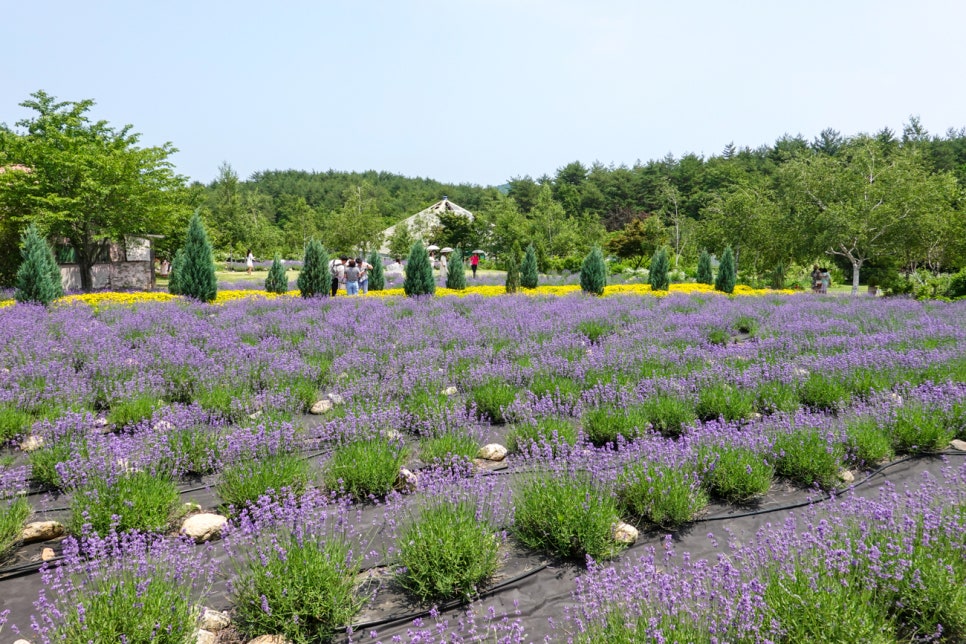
{"x":478,"y":252}
{"x":432,"y":247}
{"x":446,"y":250}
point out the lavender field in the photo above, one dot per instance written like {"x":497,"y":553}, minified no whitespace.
{"x":692,"y":468}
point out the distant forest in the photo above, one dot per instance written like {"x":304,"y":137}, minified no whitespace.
{"x":881,"y":202}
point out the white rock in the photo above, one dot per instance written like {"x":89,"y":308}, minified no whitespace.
{"x":256,"y":415}
{"x":32,"y":443}
{"x":48,"y":554}
{"x":407,"y":481}
{"x":492,"y":452}
{"x":846,"y":476}
{"x":801,"y":373}
{"x":162,"y":426}
{"x":100,"y":422}
{"x":22,"y":641}
{"x":894,"y":398}
{"x":624,"y":533}
{"x":214,"y":620}
{"x":450,"y":391}
{"x":321,"y":406}
{"x":392,"y":435}
{"x":958,"y":444}
{"x":269,"y":639}
{"x":42,"y":531}
{"x":336,"y":399}
{"x":205,"y":637}
{"x":203,"y":527}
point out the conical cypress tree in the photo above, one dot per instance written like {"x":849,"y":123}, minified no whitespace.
{"x":725,"y":282}
{"x":528,"y":269}
{"x":314,"y":278}
{"x":174,"y":277}
{"x":377,"y":275}
{"x":455,"y":271}
{"x":419,"y":272}
{"x":593,"y":272}
{"x":705,"y":275}
{"x":197,"y":279}
{"x":659,"y":271}
{"x":277,"y":281}
{"x":513,"y":269}
{"x":38,"y":278}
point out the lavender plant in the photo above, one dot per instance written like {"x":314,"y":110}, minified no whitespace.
{"x":665,"y":496}
{"x":275,"y":474}
{"x":364,"y":468}
{"x":734,"y":474}
{"x":13,"y":515}
{"x":135,"y":501}
{"x":806,"y":457}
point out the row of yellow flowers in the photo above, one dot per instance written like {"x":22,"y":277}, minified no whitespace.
{"x":98,"y":300}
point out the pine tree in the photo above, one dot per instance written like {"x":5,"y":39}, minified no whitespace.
{"x":377,"y":275}
{"x":705,"y":275}
{"x":419,"y":272}
{"x":38,"y":278}
{"x":528,"y":269}
{"x":197,"y":279}
{"x":513,"y":269}
{"x":455,"y":271}
{"x":725,"y":282}
{"x":314,"y":278}
{"x":277,"y":281}
{"x":174,"y":276}
{"x":593,"y":272}
{"x":660,"y":265}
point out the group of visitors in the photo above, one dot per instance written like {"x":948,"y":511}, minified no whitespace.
{"x":820,"y":279}
{"x":350,"y":274}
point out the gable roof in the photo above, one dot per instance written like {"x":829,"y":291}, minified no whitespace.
{"x":423,"y":221}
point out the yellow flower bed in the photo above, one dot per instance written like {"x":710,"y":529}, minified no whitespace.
{"x":98,"y":300}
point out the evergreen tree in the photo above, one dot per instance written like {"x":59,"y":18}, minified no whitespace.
{"x":377,"y":275}
{"x":38,"y":278}
{"x":705,"y":275}
{"x":593,"y":272}
{"x":660,"y":265}
{"x":455,"y":271}
{"x":314,"y":278}
{"x":419,"y":272}
{"x":277,"y":281}
{"x":528,"y":270}
{"x":174,"y":276}
{"x":513,"y":269}
{"x":725,"y":282}
{"x":197,"y":279}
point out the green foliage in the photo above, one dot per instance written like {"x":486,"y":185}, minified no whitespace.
{"x":132,"y":411}
{"x":705,"y":273}
{"x":402,"y":240}
{"x":196,"y":278}
{"x":659,"y":271}
{"x":377,"y":274}
{"x":806,"y":457}
{"x":314,"y":279}
{"x":13,"y":422}
{"x":455,"y":271}
{"x":134,"y":501}
{"x":917,"y":429}
{"x":593,"y":330}
{"x":364,"y":468}
{"x":603,"y":425}
{"x":13,"y":515}
{"x":659,"y":494}
{"x":244,"y":482}
{"x":638,"y":238}
{"x":957,"y":284}
{"x":593,"y":273}
{"x":44,"y":461}
{"x":194,"y":450}
{"x":419,"y":273}
{"x":570,"y":518}
{"x":174,"y":276}
{"x":528,"y":269}
{"x":492,"y":398}
{"x":822,"y":392}
{"x":772,"y":396}
{"x":668,"y":414}
{"x":721,"y":400}
{"x":513,"y":269}
{"x":446,"y":446}
{"x":447,"y":552}
{"x":554,"y":431}
{"x":277,"y":280}
{"x":725,"y":281}
{"x":38,"y":278}
{"x":867,"y":443}
{"x":735,"y":474}
{"x":308,"y":586}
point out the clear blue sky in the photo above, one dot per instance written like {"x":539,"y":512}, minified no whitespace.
{"x":480,"y":91}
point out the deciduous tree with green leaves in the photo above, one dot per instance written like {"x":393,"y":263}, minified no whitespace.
{"x":89,"y":183}
{"x":641,"y":237}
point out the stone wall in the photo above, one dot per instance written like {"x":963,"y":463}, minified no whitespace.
{"x":116,"y":276}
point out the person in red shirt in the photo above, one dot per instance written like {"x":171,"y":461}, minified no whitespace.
{"x":474,"y":262}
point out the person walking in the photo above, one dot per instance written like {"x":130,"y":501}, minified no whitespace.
{"x":825,"y":280}
{"x":352,"y":278}
{"x":442,"y":264}
{"x":474,"y":262}
{"x":337,"y":270}
{"x":816,"y":279}
{"x":250,"y":261}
